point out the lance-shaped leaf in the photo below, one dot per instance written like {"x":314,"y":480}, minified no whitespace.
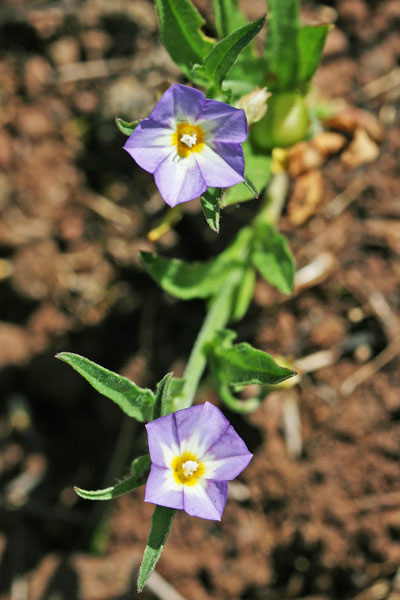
{"x":241,"y":364}
{"x":125,"y":127}
{"x":223,"y":56}
{"x":173,"y":395}
{"x":133,"y":400}
{"x":281,"y":44}
{"x":251,"y":186}
{"x":160,"y":527}
{"x":310,"y":43}
{"x":244,"y":294}
{"x":199,"y":279}
{"x":180,"y":25}
{"x":186,"y":280}
{"x":273,"y":258}
{"x":160,"y":402}
{"x":139,"y":470}
{"x":210,"y":204}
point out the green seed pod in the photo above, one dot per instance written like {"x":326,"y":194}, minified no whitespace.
{"x":285,"y":123}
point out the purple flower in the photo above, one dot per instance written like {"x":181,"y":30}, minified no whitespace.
{"x":194,"y":453}
{"x":190,"y":143}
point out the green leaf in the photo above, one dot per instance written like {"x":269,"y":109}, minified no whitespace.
{"x":198,"y":279}
{"x":241,"y":364}
{"x":133,"y":400}
{"x":125,"y":127}
{"x":247,"y":73}
{"x":224,"y":54}
{"x":244,"y":294}
{"x":180,"y":25}
{"x":173,"y":395}
{"x":273,"y":258}
{"x":234,"y":89}
{"x":250,"y":186}
{"x":258,"y":171}
{"x":159,"y":409}
{"x":281,"y":44}
{"x":310,"y":43}
{"x":185,"y":280}
{"x":228,"y":17}
{"x":160,"y":527}
{"x":139,"y":471}
{"x":210,"y":204}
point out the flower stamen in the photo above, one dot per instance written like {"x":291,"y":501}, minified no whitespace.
{"x":187,"y":469}
{"x":189,"y":139}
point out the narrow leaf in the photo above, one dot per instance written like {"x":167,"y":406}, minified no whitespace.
{"x":160,"y":527}
{"x":224,"y":54}
{"x":173,"y":395}
{"x":250,"y":186}
{"x":139,"y":471}
{"x":133,"y":400}
{"x":185,"y":280}
{"x":310,"y":43}
{"x":180,"y":33}
{"x":159,"y":409}
{"x":125,"y":127}
{"x":281,"y":44}
{"x":244,"y":294}
{"x":210,"y":204}
{"x":198,"y":279}
{"x":273,"y":258}
{"x":241,"y":364}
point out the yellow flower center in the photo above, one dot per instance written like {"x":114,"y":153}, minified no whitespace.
{"x":187,"y":469}
{"x":188,"y":138}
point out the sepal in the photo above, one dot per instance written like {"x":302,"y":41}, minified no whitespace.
{"x":125,"y":127}
{"x":211,"y":208}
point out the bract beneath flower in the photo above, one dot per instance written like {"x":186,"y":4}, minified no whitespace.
{"x":194,"y":453}
{"x":190,"y":143}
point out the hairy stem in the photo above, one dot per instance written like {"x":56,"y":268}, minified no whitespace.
{"x":217,"y":318}
{"x":220,"y":309}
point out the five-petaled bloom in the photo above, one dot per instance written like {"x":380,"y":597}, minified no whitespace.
{"x":190,"y":143}
{"x":194,"y":453}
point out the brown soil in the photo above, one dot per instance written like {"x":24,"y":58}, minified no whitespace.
{"x":316,"y":514}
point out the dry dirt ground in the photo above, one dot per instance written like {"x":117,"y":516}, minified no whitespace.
{"x":316,"y":515}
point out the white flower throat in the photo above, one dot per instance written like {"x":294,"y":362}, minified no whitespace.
{"x":190,"y":139}
{"x":189,"y":467}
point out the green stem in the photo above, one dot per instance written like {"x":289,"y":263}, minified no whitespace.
{"x":275,"y":198}
{"x":217,"y":318}
{"x":220,"y":309}
{"x":243,"y":407}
